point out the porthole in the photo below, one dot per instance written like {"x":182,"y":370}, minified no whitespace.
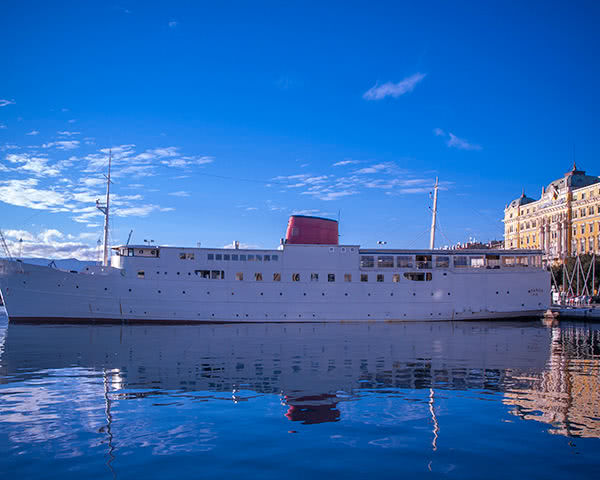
{"x":305,"y":294}
{"x":391,"y":294}
{"x":130,"y":289}
{"x":105,"y":289}
{"x":368,"y":294}
{"x":414,"y":294}
{"x":323,"y":294}
{"x":280,"y":294}
{"x":183,"y":292}
{"x":448,"y":293}
{"x":232,"y":293}
{"x":497,"y":293}
{"x":346,"y":294}
{"x":208,"y":293}
{"x":261,"y":294}
{"x":159,"y":291}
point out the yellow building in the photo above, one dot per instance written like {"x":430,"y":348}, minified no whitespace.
{"x":564,"y":221}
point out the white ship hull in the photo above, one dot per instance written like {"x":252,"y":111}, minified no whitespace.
{"x":172,"y":290}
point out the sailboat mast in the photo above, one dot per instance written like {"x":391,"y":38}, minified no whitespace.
{"x":434,"y":215}
{"x":106,"y":213}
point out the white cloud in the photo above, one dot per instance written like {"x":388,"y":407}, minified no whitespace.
{"x":33,"y":132}
{"x":71,"y":121}
{"x":2,"y":126}
{"x":51,"y":244}
{"x":62,"y":144}
{"x":454,"y":141}
{"x":387,"y":167}
{"x":394,"y":89}
{"x":180,"y":194}
{"x":461,"y":144}
{"x":23,"y":193}
{"x":345,"y":162}
{"x":67,"y":133}
{"x":172,"y":24}
{"x":4,"y":102}
{"x":36,"y":165}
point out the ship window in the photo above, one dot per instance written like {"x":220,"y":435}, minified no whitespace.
{"x":404,"y":261}
{"x":251,"y":258}
{"x":274,"y":257}
{"x":347,"y":277}
{"x":331,"y":277}
{"x":396,"y":277}
{"x":202,"y":273}
{"x":508,"y":261}
{"x":243,"y":258}
{"x":418,"y":276}
{"x":385,"y":262}
{"x":258,"y":277}
{"x":522,"y":261}
{"x":210,"y":256}
{"x":181,"y":256}
{"x":423,"y":261}
{"x":141,"y":252}
{"x":267,"y":258}
{"x":259,"y":258}
{"x":239,"y":276}
{"x":226,"y":256}
{"x":442,"y":262}
{"x":367,"y":261}
{"x":314,"y":277}
{"x":493,"y":261}
{"x":460,"y":261}
{"x":277,"y":277}
{"x":154,"y":253}
{"x":380,"y":277}
{"x":364,"y":277}
{"x":218,"y":275}
{"x":295,"y":277}
{"x":235,"y":257}
{"x":476,"y":262}
{"x":130,"y":252}
{"x":218,"y":256}
{"x":140,"y":274}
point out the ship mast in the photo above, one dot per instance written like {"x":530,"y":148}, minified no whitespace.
{"x":434,"y":215}
{"x":105,"y":209}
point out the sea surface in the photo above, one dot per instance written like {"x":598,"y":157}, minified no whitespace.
{"x":421,"y":400}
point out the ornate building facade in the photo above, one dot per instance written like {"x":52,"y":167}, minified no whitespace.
{"x":565,"y":220}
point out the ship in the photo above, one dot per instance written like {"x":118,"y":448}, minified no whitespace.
{"x":310,"y":277}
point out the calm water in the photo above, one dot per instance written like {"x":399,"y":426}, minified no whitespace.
{"x":457,"y":400}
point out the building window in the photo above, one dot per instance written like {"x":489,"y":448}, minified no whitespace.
{"x":141,"y":274}
{"x":396,"y":277}
{"x":367,"y":261}
{"x":583,"y":228}
{"x":210,"y":256}
{"x":582,"y":245}
{"x":258,"y":277}
{"x":385,"y":262}
{"x":314,"y":277}
{"x":239,"y":276}
{"x":331,"y":277}
{"x":380,"y":277}
{"x":347,"y":277}
{"x":277,"y":277}
{"x":295,"y":277}
{"x":404,"y":261}
{"x":591,"y":244}
{"x":364,"y":277}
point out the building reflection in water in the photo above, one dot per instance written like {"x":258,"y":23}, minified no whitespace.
{"x":544,"y":375}
{"x":566,"y":394}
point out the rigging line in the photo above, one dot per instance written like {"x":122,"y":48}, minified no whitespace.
{"x":417,"y":238}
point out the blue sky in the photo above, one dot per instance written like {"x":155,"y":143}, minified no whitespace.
{"x":225,"y":118}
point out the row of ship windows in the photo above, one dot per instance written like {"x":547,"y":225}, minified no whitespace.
{"x":459,"y":261}
{"x":314,"y":277}
{"x":242,"y":257}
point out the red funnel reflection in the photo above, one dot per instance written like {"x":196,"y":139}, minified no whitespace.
{"x":313,"y":409}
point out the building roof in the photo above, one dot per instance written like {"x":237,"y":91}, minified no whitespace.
{"x":573,"y":179}
{"x":522,"y":200}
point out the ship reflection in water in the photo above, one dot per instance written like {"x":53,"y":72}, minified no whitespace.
{"x":384,"y":399}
